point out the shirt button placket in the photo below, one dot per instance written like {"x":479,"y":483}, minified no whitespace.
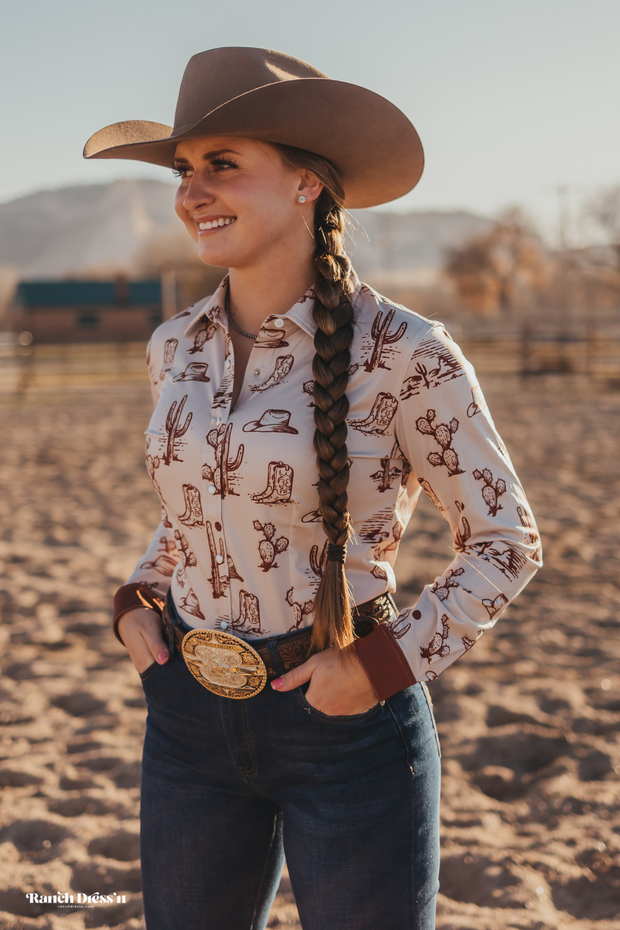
{"x":214,"y":505}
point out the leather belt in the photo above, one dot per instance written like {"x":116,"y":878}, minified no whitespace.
{"x":292,"y":649}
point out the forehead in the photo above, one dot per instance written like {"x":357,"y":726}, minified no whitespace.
{"x":205,"y":147}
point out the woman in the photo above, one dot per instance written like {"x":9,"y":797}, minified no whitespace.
{"x":298,"y":415}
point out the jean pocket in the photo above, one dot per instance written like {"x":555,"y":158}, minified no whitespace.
{"x":429,"y":704}
{"x":342,"y":718}
{"x":149,"y":671}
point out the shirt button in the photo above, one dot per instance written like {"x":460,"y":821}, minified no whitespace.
{"x":278,"y":323}
{"x":228,"y":363}
{"x":218,"y":421}
{"x":219,"y":559}
{"x":211,"y":489}
{"x":223,"y":625}
{"x":257,"y":372}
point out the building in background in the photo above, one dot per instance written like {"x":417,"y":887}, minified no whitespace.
{"x":87,"y":311}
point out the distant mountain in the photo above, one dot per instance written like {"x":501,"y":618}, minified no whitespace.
{"x":101,"y":228}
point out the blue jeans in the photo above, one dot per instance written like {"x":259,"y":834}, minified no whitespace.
{"x":230,"y":786}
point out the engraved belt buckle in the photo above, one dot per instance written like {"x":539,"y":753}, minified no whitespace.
{"x":224,"y":664}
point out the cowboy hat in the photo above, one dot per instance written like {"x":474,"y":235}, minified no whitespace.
{"x":256,"y":93}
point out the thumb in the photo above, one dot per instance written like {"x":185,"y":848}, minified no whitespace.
{"x":294,"y":678}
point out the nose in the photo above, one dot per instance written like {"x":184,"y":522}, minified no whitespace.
{"x":197,"y":193}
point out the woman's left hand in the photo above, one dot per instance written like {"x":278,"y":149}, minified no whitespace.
{"x":339,"y":685}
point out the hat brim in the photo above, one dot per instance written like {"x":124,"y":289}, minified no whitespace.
{"x":372,"y":144}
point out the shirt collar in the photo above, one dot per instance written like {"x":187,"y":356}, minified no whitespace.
{"x":211,"y":307}
{"x":300,"y":313}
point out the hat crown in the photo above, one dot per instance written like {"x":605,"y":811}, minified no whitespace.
{"x":218,"y":75}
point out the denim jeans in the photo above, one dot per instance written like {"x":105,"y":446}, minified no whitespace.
{"x":230,"y":786}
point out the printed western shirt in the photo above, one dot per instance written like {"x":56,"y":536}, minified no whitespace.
{"x":241,"y":543}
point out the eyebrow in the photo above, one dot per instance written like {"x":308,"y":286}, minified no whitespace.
{"x":209,"y":155}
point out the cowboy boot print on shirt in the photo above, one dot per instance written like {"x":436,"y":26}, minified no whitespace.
{"x":380,"y":338}
{"x":284,"y":364}
{"x":279,"y":485}
{"x":380,"y":417}
{"x":170,"y":348}
{"x":193,"y":507}
{"x":205,"y":333}
{"x":248,"y":620}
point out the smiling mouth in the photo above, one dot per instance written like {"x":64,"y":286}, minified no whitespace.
{"x":217,"y":223}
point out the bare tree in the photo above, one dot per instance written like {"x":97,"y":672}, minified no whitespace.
{"x":491,"y":271}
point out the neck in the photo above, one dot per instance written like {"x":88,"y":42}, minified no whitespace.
{"x":257,"y":292}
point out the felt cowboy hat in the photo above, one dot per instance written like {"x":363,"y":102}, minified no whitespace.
{"x":256,"y":93}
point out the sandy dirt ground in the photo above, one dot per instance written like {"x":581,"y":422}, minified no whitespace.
{"x":528,"y":719}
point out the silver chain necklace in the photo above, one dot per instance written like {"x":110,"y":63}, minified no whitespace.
{"x":232,"y":321}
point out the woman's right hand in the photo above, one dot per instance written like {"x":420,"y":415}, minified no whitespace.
{"x":141,"y":631}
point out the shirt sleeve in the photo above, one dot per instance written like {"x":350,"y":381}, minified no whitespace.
{"x":151,"y":579}
{"x":448,"y":438}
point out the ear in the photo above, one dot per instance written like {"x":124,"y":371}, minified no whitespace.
{"x":309,"y":186}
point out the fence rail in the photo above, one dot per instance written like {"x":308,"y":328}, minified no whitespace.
{"x":71,"y":367}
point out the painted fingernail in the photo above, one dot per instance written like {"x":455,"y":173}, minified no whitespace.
{"x":162,"y":657}
{"x":277,"y":683}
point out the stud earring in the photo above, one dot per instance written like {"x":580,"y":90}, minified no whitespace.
{"x":301,"y":198}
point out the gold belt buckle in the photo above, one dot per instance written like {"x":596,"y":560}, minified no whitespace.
{"x":224,"y":664}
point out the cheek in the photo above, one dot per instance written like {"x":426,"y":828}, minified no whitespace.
{"x":182,"y":213}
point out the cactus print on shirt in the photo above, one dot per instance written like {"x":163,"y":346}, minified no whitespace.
{"x":241,"y":542}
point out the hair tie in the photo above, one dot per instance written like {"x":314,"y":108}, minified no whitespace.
{"x":336,"y":553}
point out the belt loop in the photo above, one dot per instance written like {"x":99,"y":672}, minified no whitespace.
{"x":172,"y":617}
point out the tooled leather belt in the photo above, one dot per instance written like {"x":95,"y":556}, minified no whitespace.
{"x":292,"y":648}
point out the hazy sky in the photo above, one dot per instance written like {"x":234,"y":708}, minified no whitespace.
{"x":511,"y":97}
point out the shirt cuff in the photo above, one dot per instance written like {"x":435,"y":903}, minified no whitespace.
{"x":135,"y":595}
{"x":384,"y":662}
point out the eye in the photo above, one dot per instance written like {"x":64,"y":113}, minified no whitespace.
{"x":180,"y":170}
{"x":221,"y":163}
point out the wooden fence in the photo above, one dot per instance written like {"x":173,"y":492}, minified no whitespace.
{"x":523,"y":352}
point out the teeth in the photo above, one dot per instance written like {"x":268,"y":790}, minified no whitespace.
{"x":215,"y":223}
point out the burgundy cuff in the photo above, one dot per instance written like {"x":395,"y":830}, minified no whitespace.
{"x":134,"y":595}
{"x":384,"y":662}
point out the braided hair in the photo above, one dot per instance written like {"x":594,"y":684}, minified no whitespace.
{"x":333,"y":315}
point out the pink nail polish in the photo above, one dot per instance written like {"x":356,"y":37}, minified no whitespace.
{"x":277,"y":683}
{"x":162,"y":657}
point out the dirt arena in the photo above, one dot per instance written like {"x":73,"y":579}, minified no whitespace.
{"x":528,"y":719}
